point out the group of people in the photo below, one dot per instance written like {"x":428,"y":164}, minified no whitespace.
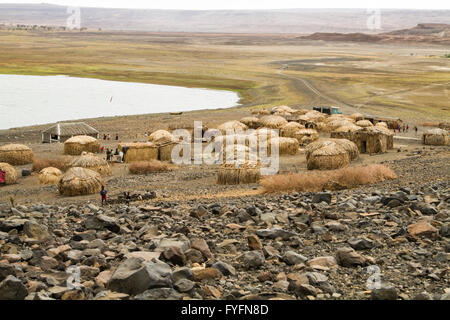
{"x":107,"y":136}
{"x":404,"y":128}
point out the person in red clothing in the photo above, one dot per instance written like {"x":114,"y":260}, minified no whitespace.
{"x":2,"y":178}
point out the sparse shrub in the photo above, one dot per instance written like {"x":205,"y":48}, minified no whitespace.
{"x":447,"y":55}
{"x":61,"y":163}
{"x":144,"y":167}
{"x":315,"y":181}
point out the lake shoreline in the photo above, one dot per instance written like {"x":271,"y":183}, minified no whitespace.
{"x":122,"y":95}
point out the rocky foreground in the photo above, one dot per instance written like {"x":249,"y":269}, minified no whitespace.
{"x":387,"y":241}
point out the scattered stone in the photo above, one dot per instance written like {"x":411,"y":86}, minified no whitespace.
{"x":253,"y":259}
{"x":12,"y":288}
{"x":348,"y":257}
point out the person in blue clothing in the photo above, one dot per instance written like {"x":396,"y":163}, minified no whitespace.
{"x":103,"y":194}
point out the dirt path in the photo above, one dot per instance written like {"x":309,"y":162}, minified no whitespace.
{"x":320,"y":95}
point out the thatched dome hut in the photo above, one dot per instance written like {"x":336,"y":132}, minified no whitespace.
{"x":16,"y":154}
{"x":281,"y":109}
{"x":289,"y":129}
{"x":90,"y":161}
{"x":345,"y":132}
{"x":435,"y":137}
{"x":160,"y":137}
{"x":286,"y":146}
{"x":371,"y":140}
{"x":273,"y":122}
{"x":388,"y":134}
{"x":316,"y":116}
{"x":357,"y":116}
{"x":239,"y":173}
{"x":139,"y":151}
{"x":76,"y":145}
{"x":10,"y":173}
{"x":50,"y":175}
{"x":306,"y":136}
{"x":337,"y":123}
{"x":233,"y":125}
{"x":364,"y":123}
{"x":347,"y":145}
{"x":381,"y":124}
{"x":328,"y":156}
{"x":80,"y":181}
{"x":251,"y":122}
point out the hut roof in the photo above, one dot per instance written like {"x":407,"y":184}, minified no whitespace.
{"x":81,"y":140}
{"x":436,"y":132}
{"x":283,"y":109}
{"x":273,"y":121}
{"x":364,"y":123}
{"x":87,"y":160}
{"x":232,"y":125}
{"x":51,"y":171}
{"x":71,"y":129}
{"x":161,"y":137}
{"x":137,"y":145}
{"x":348,"y":128}
{"x":14,"y":147}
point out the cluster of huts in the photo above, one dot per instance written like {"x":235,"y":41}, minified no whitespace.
{"x":349,"y":136}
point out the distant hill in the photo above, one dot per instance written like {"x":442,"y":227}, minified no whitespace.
{"x":301,"y":21}
{"x":423,"y":32}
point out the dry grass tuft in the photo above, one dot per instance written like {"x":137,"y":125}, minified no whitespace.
{"x":315,"y":181}
{"x":61,"y":163}
{"x":144,"y":167}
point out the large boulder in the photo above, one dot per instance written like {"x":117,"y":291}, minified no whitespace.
{"x":12,"y":289}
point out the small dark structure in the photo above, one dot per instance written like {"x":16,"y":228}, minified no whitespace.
{"x":61,"y":132}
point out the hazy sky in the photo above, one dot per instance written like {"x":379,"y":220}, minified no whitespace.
{"x":247,"y":4}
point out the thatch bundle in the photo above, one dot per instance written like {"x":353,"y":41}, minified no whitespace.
{"x":16,"y":154}
{"x":160,"y":137}
{"x":10,"y":173}
{"x":251,"y":122}
{"x":233,"y":125}
{"x":289,"y":129}
{"x":76,"y":145}
{"x":50,"y":175}
{"x":364,"y":123}
{"x":239,"y":173}
{"x":301,"y":111}
{"x":283,"y":114}
{"x":140,"y":151}
{"x":306,"y":136}
{"x":90,"y":161}
{"x":273,"y":122}
{"x":357,"y":116}
{"x":80,"y":181}
{"x":381,"y":124}
{"x":435,"y":137}
{"x":329,"y":155}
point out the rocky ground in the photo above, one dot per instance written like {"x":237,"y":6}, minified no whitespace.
{"x":385,"y":241}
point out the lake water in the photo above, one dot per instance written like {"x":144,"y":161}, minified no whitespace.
{"x":31,"y":100}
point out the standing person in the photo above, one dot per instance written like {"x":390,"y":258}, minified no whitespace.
{"x":104,"y":136}
{"x":2,"y":178}
{"x":103,"y":194}
{"x":117,"y":137}
{"x":415,"y":129}
{"x":121,"y":155}
{"x":108,"y":155}
{"x":407,"y":127}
